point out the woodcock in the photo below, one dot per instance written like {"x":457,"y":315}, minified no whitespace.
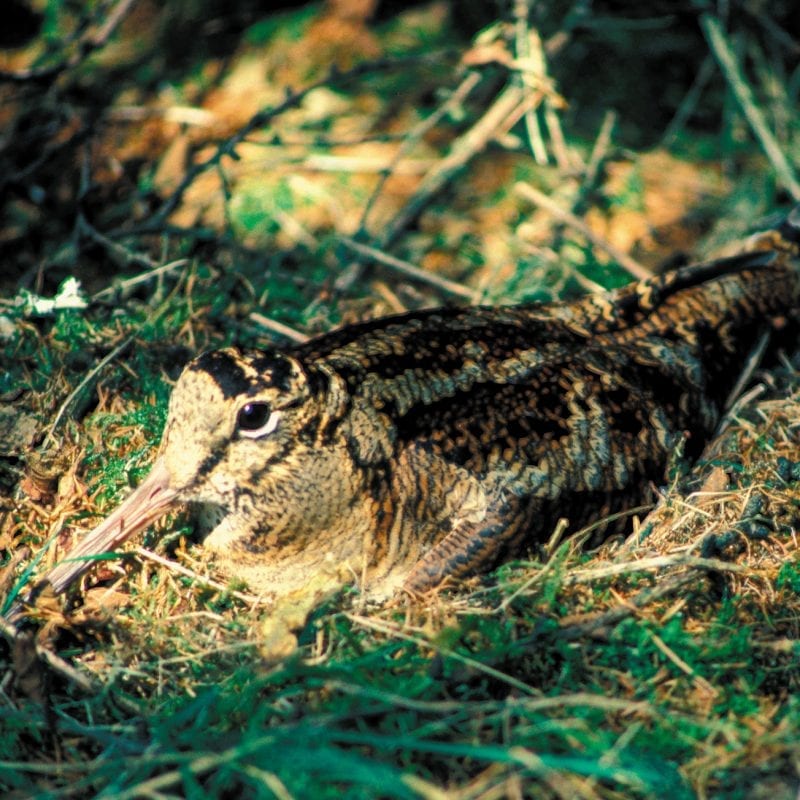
{"x":433,"y":444}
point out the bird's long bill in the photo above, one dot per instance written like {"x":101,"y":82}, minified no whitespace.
{"x":145,"y":505}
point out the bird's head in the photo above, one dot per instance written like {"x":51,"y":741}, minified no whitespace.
{"x":241,"y":431}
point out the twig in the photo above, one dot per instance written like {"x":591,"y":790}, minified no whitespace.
{"x":749,"y":367}
{"x":458,"y":96}
{"x":607,"y":619}
{"x":582,"y":576}
{"x":689,"y":102}
{"x":114,"y":17}
{"x":44,"y":154}
{"x":698,"y":680}
{"x":744,"y":96}
{"x":540,"y":199}
{"x":121,"y":254}
{"x":527,"y":77}
{"x":599,"y":150}
{"x":278,"y":327}
{"x":121,"y":288}
{"x":87,"y":379}
{"x":322,"y":162}
{"x":710,"y":451}
{"x":565,"y":158}
{"x":181,"y":115}
{"x":409,"y":269}
{"x":188,"y":573}
{"x":656,"y":562}
{"x":57,"y":664}
{"x":730,"y":416}
{"x":469,"y":144}
{"x":503,"y":114}
{"x":260,"y":119}
{"x":84,"y":47}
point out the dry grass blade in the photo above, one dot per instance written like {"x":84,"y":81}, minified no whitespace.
{"x":124,"y":287}
{"x":387,"y":629}
{"x":600,"y":624}
{"x":90,"y":376}
{"x":250,"y":599}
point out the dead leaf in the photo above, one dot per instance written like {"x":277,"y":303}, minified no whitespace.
{"x":172,"y":166}
{"x":31,"y":678}
{"x":18,"y":430}
{"x":715,"y":484}
{"x":44,"y":470}
{"x":717,"y":481}
{"x":100,"y":603}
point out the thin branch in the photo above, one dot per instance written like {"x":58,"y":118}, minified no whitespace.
{"x":599,"y":150}
{"x":749,"y":367}
{"x":540,"y":199}
{"x":263,"y":117}
{"x":458,"y":96}
{"x":508,"y":106}
{"x":87,"y":379}
{"x":319,"y":162}
{"x":409,"y":270}
{"x":528,"y":77}
{"x":278,"y":327}
{"x":84,"y":47}
{"x":113,"y":18}
{"x":744,"y":96}
{"x":689,"y":102}
{"x":654,"y":563}
{"x":493,"y":123}
{"x":124,"y":287}
{"x":698,"y":680}
{"x":122,"y":256}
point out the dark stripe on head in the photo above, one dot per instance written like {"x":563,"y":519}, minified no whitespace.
{"x":209,"y":463}
{"x":273,"y":369}
{"x":225,"y":370}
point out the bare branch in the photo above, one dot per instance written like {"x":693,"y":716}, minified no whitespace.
{"x":629,"y":264}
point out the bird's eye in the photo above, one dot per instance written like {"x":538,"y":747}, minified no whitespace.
{"x":255,"y":419}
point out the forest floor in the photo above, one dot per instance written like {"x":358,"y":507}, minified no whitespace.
{"x":178,"y":177}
